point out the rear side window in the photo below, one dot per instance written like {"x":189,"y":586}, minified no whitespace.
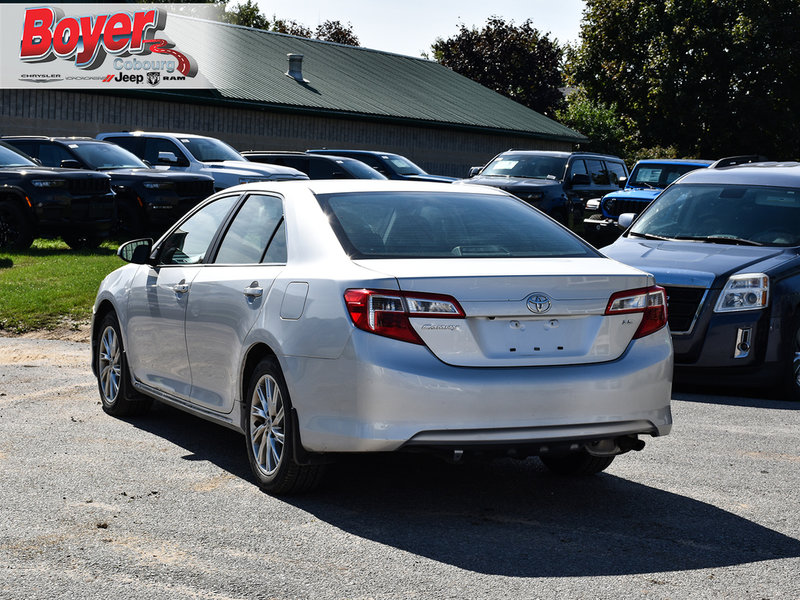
{"x":445,"y":225}
{"x":252,"y":228}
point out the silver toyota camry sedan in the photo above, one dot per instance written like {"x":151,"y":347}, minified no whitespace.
{"x":329,"y":317}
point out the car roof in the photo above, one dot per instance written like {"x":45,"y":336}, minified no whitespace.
{"x":675,"y":161}
{"x":774,"y":174}
{"x":561,"y":154}
{"x":341,"y":186}
{"x":330,"y":151}
{"x":153,"y":134}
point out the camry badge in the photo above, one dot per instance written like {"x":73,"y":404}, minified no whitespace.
{"x":538,"y":303}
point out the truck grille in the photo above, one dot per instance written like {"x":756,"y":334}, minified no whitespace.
{"x":194,"y":188}
{"x":616,"y":206}
{"x":683,"y":304}
{"x":84,"y":186}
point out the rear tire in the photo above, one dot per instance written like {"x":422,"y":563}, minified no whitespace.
{"x":113,"y":377}
{"x":270,"y":435}
{"x":577,"y":464}
{"x":16,"y":230}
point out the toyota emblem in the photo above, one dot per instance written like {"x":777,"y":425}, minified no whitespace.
{"x":538,"y":303}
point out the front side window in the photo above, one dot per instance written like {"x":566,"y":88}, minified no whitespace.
{"x":189,"y":243}
{"x":51,"y":155}
{"x":616,"y":171}
{"x":252,"y":228}
{"x":597,"y":172}
{"x":724,"y":214}
{"x":445,"y":225}
{"x":155,"y":145}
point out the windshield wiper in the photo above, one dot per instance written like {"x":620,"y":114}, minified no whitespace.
{"x":719,"y":239}
{"x":649,"y":236}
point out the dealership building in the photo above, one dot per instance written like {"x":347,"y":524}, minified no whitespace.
{"x":279,"y":92}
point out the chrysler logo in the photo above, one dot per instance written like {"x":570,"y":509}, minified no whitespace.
{"x":538,"y":303}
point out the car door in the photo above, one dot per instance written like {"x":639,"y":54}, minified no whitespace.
{"x":159,"y":296}
{"x":228,"y":295}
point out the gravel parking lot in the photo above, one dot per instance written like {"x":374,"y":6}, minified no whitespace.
{"x":162,"y":507}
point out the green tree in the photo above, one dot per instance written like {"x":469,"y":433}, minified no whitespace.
{"x":334,"y":31}
{"x":247,"y":14}
{"x":607,"y":130}
{"x":516,"y":61}
{"x":707,"y":77}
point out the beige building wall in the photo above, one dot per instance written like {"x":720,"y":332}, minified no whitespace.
{"x":438,"y":150}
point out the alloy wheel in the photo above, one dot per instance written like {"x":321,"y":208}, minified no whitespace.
{"x":109,"y":365}
{"x":267,"y":425}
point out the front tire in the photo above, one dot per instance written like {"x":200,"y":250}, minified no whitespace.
{"x":270,"y":435}
{"x":790,"y":387}
{"x":16,"y":231}
{"x":577,"y":463}
{"x":113,"y":378}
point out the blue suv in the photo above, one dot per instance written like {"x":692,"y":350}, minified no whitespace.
{"x":648,"y":178}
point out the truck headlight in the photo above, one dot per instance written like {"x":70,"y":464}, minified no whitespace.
{"x":49,"y":183}
{"x":157,"y":185}
{"x":748,"y":291}
{"x":532,"y":196}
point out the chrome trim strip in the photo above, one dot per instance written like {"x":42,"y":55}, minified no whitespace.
{"x":184,"y":404}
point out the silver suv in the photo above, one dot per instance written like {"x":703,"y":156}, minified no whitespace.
{"x":199,"y":154}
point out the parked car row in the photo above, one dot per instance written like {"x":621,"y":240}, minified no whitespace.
{"x":375,"y":315}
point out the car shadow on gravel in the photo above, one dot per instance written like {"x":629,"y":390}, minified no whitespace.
{"x":730,"y":396}
{"x":503,"y":517}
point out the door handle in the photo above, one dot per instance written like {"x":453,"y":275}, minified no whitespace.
{"x":180,"y":288}
{"x":253,"y":291}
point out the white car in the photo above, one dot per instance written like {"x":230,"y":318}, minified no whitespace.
{"x":327,"y":317}
{"x":200,"y":154}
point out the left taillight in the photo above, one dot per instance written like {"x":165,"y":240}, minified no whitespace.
{"x":387,"y":312}
{"x":650,"y":302}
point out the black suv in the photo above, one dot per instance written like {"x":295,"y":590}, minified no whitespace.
{"x":557,"y":183}
{"x":316,"y":166}
{"x":36,"y":201}
{"x":149,"y":200}
{"x":391,"y":166}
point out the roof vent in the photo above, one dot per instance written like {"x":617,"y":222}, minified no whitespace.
{"x":296,"y":67}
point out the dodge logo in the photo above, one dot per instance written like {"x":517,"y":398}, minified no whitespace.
{"x":538,"y":303}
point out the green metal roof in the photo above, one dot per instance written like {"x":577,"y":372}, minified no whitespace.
{"x":249,"y":65}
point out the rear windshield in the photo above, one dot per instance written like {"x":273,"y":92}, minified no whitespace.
{"x":445,"y":225}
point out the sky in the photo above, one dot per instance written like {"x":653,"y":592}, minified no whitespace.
{"x":411,"y":26}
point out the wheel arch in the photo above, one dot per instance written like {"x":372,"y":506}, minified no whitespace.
{"x":104,"y":308}
{"x":255,"y":354}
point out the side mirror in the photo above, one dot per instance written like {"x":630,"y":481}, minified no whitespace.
{"x":474,"y":171}
{"x":626,"y":219}
{"x":71,"y":163}
{"x":167,"y":158}
{"x":623,"y":181}
{"x":592,"y":204}
{"x":136,"y":251}
{"x":581,"y":179}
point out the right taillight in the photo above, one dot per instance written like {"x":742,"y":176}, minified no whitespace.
{"x":650,"y":302}
{"x":387,"y":312}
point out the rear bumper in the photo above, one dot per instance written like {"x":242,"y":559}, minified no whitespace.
{"x":381,"y":395}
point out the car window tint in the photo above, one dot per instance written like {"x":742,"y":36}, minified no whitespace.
{"x":276,"y":253}
{"x":189,"y":243}
{"x":153,"y":146}
{"x":29,"y":148}
{"x":579,"y":167}
{"x":445,"y":225}
{"x":597,"y":172}
{"x":51,"y":155}
{"x":323,"y":168}
{"x":616,"y":171}
{"x":250,"y":231}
